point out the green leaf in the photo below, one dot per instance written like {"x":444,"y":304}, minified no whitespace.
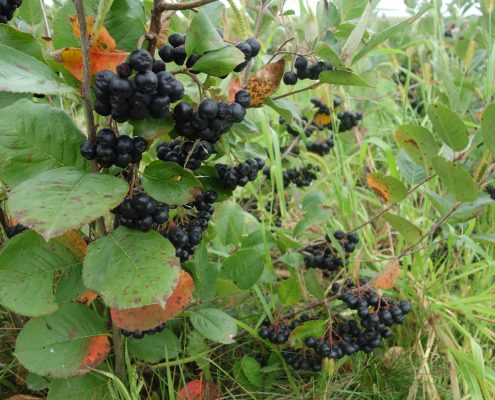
{"x":252,"y":371}
{"x":244,"y":268}
{"x":31,"y":12}
{"x":126,"y":23}
{"x":55,"y":345}
{"x":70,"y":285}
{"x":215,"y":325}
{"x":323,"y":50}
{"x":411,"y":232}
{"x":292,"y":259}
{"x":35,"y":138}
{"x":456,"y":179}
{"x":285,"y":108}
{"x":289,"y":292}
{"x":208,"y":177}
{"x":27,"y":267}
{"x":130,"y":269}
{"x":344,"y":78}
{"x":152,"y":349}
{"x":312,"y":281}
{"x":65,"y":198}
{"x":204,"y":273}
{"x":21,"y":41}
{"x":152,"y":128}
{"x":449,"y":126}
{"x":170,"y":183}
{"x":488,"y":127}
{"x":312,"y":217}
{"x":219,"y":62}
{"x":351,"y":9}
{"x":315,"y":328}
{"x":232,"y":222}
{"x":417,"y":142}
{"x":388,"y":33}
{"x":91,"y":386}
{"x":202,"y":35}
{"x":21,"y":73}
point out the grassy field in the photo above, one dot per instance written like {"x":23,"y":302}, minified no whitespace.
{"x":445,"y":347}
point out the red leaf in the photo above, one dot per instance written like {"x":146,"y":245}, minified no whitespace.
{"x":199,"y":390}
{"x":97,"y":352}
{"x":148,"y":317}
{"x":387,"y":278}
{"x":103,"y":52}
{"x":87,"y":298}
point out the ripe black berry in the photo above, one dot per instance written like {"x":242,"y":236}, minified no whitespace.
{"x":177,"y":39}
{"x":140,"y":60}
{"x":290,"y":78}
{"x":255,"y":46}
{"x":208,"y":109}
{"x":146,"y":81}
{"x":166,"y":53}
{"x":243,"y":97}
{"x":88,"y":150}
{"x":124,"y":70}
{"x":301,"y":63}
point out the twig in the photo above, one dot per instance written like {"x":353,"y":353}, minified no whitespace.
{"x":163,"y":5}
{"x":45,"y":21}
{"x":86,"y":81}
{"x":117,"y":348}
{"x":256,"y":34}
{"x":313,"y":86}
{"x":279,"y":50}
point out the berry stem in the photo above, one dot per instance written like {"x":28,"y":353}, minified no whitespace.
{"x":313,"y":86}
{"x":256,"y":34}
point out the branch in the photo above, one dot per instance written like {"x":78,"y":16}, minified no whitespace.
{"x":163,"y":5}
{"x":313,"y":86}
{"x":86,"y":81}
{"x":86,"y":89}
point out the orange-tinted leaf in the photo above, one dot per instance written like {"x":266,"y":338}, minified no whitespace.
{"x":103,"y":42}
{"x":199,"y":390}
{"x":266,"y":82}
{"x":71,"y":59}
{"x":148,"y":317}
{"x":322,"y":119}
{"x":378,"y":187}
{"x":75,"y":243}
{"x":387,"y":278}
{"x":24,"y":397}
{"x":97,"y":352}
{"x":87,"y":297}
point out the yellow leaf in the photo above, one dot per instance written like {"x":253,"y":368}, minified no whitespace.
{"x":387,"y":278}
{"x":266,"y":82}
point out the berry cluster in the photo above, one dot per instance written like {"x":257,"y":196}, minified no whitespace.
{"x":250,"y":47}
{"x":413,"y":94}
{"x":241,"y":174}
{"x":320,"y":147}
{"x":279,"y":332}
{"x":300,"y":177}
{"x":323,"y":108}
{"x":148,"y":94}
{"x":142,"y":211}
{"x":326,"y":257}
{"x":176,"y":51}
{"x":7,"y":9}
{"x":141,"y":334}
{"x":11,"y":231}
{"x":363,"y":330}
{"x":111,"y":149}
{"x":180,"y":152}
{"x":211,"y":119}
{"x":306,"y":70}
{"x":348,"y":120}
{"x":299,"y":359}
{"x":186,"y":232}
